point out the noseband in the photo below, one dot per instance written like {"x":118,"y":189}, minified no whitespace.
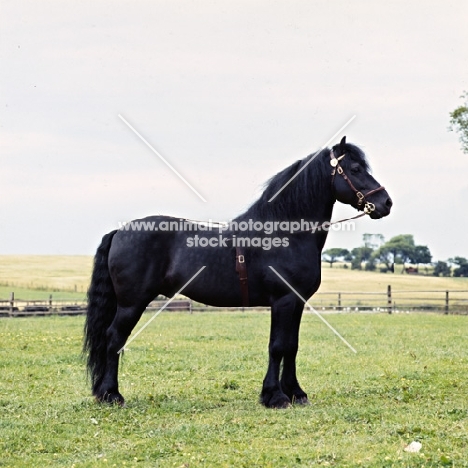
{"x":335,"y":164}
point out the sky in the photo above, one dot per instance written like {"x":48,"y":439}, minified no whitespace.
{"x":229,"y":93}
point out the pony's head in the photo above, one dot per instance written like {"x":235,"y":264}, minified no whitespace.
{"x":353,"y":184}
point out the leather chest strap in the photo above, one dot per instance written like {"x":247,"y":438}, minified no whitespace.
{"x":241,"y":268}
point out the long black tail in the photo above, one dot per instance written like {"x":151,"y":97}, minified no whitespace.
{"x":102,"y":306}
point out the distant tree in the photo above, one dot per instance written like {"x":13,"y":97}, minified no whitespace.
{"x":386,"y":256}
{"x":402,"y":249}
{"x":360,"y":255}
{"x":442,"y":269}
{"x":462,"y":269}
{"x":333,"y":255}
{"x":458,"y":260}
{"x":356,"y":263}
{"x":348,"y":257}
{"x":363,"y":254}
{"x":399,"y":249}
{"x":459,"y":122}
{"x":421,"y":254}
{"x":371,"y":264}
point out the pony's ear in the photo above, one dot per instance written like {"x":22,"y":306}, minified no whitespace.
{"x":343,"y":145}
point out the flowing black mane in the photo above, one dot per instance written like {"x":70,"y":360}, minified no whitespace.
{"x":308,"y":193}
{"x":299,"y":196}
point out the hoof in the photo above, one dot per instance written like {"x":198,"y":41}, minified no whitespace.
{"x":278,"y":401}
{"x":301,"y":401}
{"x":112,"y":398}
{"x":285,"y":405}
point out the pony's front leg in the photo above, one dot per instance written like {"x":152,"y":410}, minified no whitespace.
{"x":285,"y":319}
{"x":289,"y":383}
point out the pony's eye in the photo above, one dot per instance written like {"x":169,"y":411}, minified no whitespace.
{"x":355,"y":169}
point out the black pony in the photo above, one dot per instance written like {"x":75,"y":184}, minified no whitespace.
{"x":135,"y":264}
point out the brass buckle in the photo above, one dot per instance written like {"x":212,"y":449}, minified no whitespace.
{"x":369,"y":208}
{"x":241,"y":259}
{"x":360,"y":197}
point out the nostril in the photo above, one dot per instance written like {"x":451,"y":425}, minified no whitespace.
{"x":389,"y":202}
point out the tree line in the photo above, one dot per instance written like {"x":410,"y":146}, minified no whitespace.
{"x":399,"y":250}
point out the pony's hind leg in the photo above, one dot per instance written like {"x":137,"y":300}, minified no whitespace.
{"x":125,"y":320}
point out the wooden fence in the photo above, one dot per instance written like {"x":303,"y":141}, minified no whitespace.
{"x":388,"y":301}
{"x":391,"y":300}
{"x":15,"y":307}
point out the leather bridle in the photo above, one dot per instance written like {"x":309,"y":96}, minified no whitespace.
{"x":335,"y":164}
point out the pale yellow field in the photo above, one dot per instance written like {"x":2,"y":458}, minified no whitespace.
{"x":406,"y":289}
{"x":341,"y":279}
{"x":64,"y":272}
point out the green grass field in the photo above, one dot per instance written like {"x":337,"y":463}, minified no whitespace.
{"x":192,"y":384}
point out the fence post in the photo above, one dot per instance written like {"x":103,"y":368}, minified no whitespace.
{"x":12,"y":302}
{"x":190,"y":306}
{"x":339,"y":301}
{"x":50,"y":302}
{"x":446,"y":302}
{"x":389,"y":299}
